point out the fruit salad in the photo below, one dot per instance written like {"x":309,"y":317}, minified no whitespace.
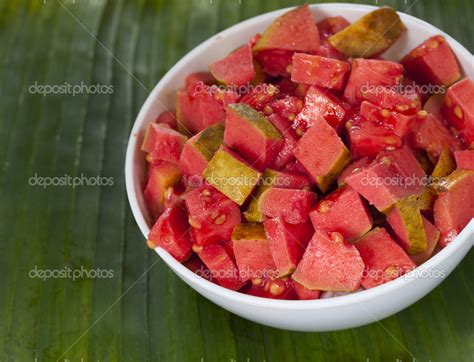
{"x":304,"y":165}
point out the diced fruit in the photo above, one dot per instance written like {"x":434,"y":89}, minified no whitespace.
{"x":322,"y":153}
{"x":273,"y":288}
{"x":171,"y":232}
{"x":223,"y":270}
{"x":273,"y":178}
{"x":275,"y":62}
{"x":211,"y":215}
{"x":163,"y":143}
{"x":305,"y":293}
{"x":384,"y":259}
{"x":161,"y":177}
{"x":204,"y":77}
{"x":329,"y":263}
{"x":290,"y":139}
{"x":353,"y":167}
{"x":320,"y":71}
{"x":235,"y":69}
{"x":199,"y":149}
{"x":459,"y":109}
{"x":287,"y":243}
{"x":331,"y":25}
{"x":389,"y":98}
{"x":201,"y":106}
{"x":432,"y":237}
{"x":434,"y":104}
{"x":198,"y":267}
{"x":368,"y":139}
{"x":259,"y":97}
{"x":343,"y":211}
{"x":319,"y":104}
{"x":445,"y":164}
{"x":291,"y":205}
{"x":231,"y":175}
{"x":369,"y":75}
{"x":252,"y":251}
{"x":426,"y":200}
{"x":295,"y":30}
{"x":454,"y":208}
{"x":371,"y":35}
{"x":432,"y":62}
{"x":252,"y":135}
{"x":391,"y":177}
{"x":407,"y":224}
{"x":430,"y":134}
{"x":465,"y":159}
{"x":399,"y":123}
{"x":168,"y":118}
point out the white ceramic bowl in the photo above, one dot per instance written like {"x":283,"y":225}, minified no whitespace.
{"x":317,"y":315}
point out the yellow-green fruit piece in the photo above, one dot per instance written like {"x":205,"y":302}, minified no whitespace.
{"x":445,"y":164}
{"x":443,"y":184}
{"x":407,"y":223}
{"x":231,"y":176}
{"x":370,"y":35}
{"x":250,"y":231}
{"x":252,"y":213}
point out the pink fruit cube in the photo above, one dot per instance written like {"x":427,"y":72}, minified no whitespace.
{"x":464,"y":159}
{"x":287,"y":243}
{"x":163,"y":143}
{"x":343,"y":211}
{"x":384,"y":259}
{"x":291,"y":205}
{"x":235,"y":69}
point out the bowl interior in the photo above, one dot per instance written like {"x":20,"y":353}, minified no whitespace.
{"x":163,"y":97}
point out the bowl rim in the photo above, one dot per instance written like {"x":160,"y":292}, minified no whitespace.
{"x":355,"y":298}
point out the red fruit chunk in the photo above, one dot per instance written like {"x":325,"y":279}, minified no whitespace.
{"x":432,"y":237}
{"x":329,"y":263}
{"x":399,"y":123}
{"x":287,"y":243}
{"x":454,"y":208}
{"x":290,"y":139}
{"x":432,"y":62}
{"x":353,"y":167}
{"x":161,"y":177}
{"x":320,"y":71}
{"x":252,"y":135}
{"x":235,"y":69}
{"x":343,"y":211}
{"x":258,"y":97}
{"x":384,"y":259}
{"x":430,"y":134}
{"x":287,"y":107}
{"x":322,"y":153}
{"x":223,"y":270}
{"x":291,"y":205}
{"x":459,"y":108}
{"x":331,"y":25}
{"x":464,"y":159}
{"x":197,"y":267}
{"x":211,"y":215}
{"x":204,"y":77}
{"x":295,"y":30}
{"x":252,"y":251}
{"x":368,"y":139}
{"x":201,"y":106}
{"x":392,"y":176}
{"x":163,"y":143}
{"x":171,"y":232}
{"x":369,"y":75}
{"x":305,"y":293}
{"x":273,"y":288}
{"x":319,"y":104}
{"x":199,"y":149}
{"x":275,"y":62}
{"x":390,"y":98}
{"x":168,"y":118}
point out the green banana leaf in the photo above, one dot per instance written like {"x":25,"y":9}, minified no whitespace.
{"x":140,"y":310}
